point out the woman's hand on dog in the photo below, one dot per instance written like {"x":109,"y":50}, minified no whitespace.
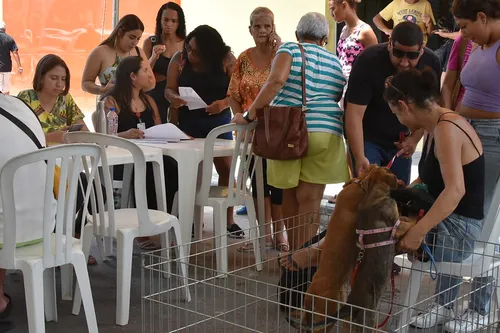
{"x":412,"y":240}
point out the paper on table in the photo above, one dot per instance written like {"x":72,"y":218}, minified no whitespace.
{"x":165,"y":132}
{"x":193,"y":100}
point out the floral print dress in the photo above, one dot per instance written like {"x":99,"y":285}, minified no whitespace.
{"x":64,"y":113}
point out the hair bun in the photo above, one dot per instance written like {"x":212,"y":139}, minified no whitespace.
{"x":428,"y":79}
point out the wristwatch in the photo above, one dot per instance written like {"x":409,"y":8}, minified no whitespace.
{"x":246,"y":116}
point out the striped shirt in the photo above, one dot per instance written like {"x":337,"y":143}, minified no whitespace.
{"x":324,"y":87}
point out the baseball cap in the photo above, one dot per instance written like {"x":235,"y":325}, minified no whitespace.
{"x":2,"y":25}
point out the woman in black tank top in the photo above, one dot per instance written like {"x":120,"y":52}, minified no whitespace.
{"x":452,"y":168}
{"x":136,"y":112}
{"x":168,"y":39}
{"x":206,"y":66}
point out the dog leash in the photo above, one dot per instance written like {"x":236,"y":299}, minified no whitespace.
{"x":402,"y":136}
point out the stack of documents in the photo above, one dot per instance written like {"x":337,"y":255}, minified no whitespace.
{"x":164,"y":133}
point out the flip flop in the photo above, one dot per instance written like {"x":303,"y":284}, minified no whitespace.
{"x":8,"y":309}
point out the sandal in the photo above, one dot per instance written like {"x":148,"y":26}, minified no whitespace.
{"x":282,"y":247}
{"x":8,"y":308}
{"x":147,"y":245}
{"x":91,"y":261}
{"x":333,"y":199}
{"x":234,"y":231}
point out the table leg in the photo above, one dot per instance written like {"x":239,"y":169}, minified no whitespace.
{"x":188,"y":170}
{"x":159,"y":176}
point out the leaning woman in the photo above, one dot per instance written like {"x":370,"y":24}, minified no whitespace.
{"x":105,"y":58}
{"x":453,"y":171}
{"x":304,"y":180}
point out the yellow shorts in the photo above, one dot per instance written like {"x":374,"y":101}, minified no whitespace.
{"x":325,"y":163}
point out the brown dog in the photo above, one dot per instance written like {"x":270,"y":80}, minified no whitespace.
{"x":378,"y":217}
{"x":339,"y":251}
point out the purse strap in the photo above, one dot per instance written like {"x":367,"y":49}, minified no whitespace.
{"x":22,"y":126}
{"x":304,"y":100}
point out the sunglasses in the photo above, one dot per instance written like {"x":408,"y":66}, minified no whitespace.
{"x":411,"y":55}
{"x":388,"y":84}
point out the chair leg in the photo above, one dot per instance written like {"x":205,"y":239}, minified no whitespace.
{"x":220,"y":230}
{"x":254,"y":234}
{"x":82,"y":276}
{"x":410,"y":299}
{"x":100,"y":246}
{"x":175,"y":205}
{"x":33,"y":289}
{"x":124,"y":249}
{"x":50,"y":294}
{"x":182,"y":259}
{"x":88,"y":235}
{"x":66,"y":282}
{"x":165,"y":254}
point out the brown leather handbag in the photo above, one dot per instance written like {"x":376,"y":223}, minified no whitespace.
{"x":281,"y":132}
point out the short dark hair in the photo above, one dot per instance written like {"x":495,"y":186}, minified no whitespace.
{"x":46,"y":64}
{"x":468,"y":9}
{"x":413,"y":85}
{"x":181,"y":29}
{"x":407,"y":34}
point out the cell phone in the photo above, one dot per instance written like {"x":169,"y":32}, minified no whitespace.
{"x":75,"y":127}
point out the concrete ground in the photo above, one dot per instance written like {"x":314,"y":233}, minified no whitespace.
{"x":262,"y":316}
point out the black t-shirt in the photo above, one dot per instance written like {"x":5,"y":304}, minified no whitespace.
{"x":7,"y":45}
{"x":366,"y":87}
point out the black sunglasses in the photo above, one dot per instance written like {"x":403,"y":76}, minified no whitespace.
{"x":411,"y":55}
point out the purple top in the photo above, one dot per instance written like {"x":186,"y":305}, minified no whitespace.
{"x":480,"y":80}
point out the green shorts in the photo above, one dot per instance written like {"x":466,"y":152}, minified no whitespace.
{"x":325,"y":163}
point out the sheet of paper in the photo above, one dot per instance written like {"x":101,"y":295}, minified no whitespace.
{"x":168,"y":132}
{"x":193,"y":100}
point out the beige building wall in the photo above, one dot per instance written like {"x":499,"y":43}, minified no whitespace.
{"x":232,"y":18}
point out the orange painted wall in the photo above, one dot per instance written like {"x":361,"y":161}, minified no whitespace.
{"x":68,"y":28}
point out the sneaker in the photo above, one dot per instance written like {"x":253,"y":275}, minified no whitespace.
{"x":469,"y":321}
{"x":433,"y":315}
{"x":242,"y":211}
{"x":234,"y":231}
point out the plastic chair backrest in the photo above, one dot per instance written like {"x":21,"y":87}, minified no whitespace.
{"x":240,"y":175}
{"x":71,"y":159}
{"x":112,"y":142}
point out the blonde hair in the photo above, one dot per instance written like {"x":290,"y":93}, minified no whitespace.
{"x":259,"y":11}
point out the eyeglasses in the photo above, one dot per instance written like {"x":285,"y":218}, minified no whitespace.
{"x":388,"y":84}
{"x":411,"y":55}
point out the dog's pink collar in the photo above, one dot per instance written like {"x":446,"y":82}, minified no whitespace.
{"x":391,"y":241}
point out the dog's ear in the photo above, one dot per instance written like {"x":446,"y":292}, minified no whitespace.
{"x":381,"y":176}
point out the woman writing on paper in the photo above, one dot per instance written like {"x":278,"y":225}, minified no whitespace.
{"x":136,"y":112}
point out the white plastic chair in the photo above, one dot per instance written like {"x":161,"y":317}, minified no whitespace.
{"x":125,"y":224}
{"x":235,"y":194}
{"x":480,"y":262}
{"x":59,"y":248}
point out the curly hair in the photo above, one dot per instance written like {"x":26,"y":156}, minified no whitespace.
{"x":210,"y":47}
{"x":469,"y":9}
{"x":181,"y":29}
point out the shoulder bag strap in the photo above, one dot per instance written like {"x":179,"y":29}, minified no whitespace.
{"x":304,"y":100}
{"x":22,"y":126}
